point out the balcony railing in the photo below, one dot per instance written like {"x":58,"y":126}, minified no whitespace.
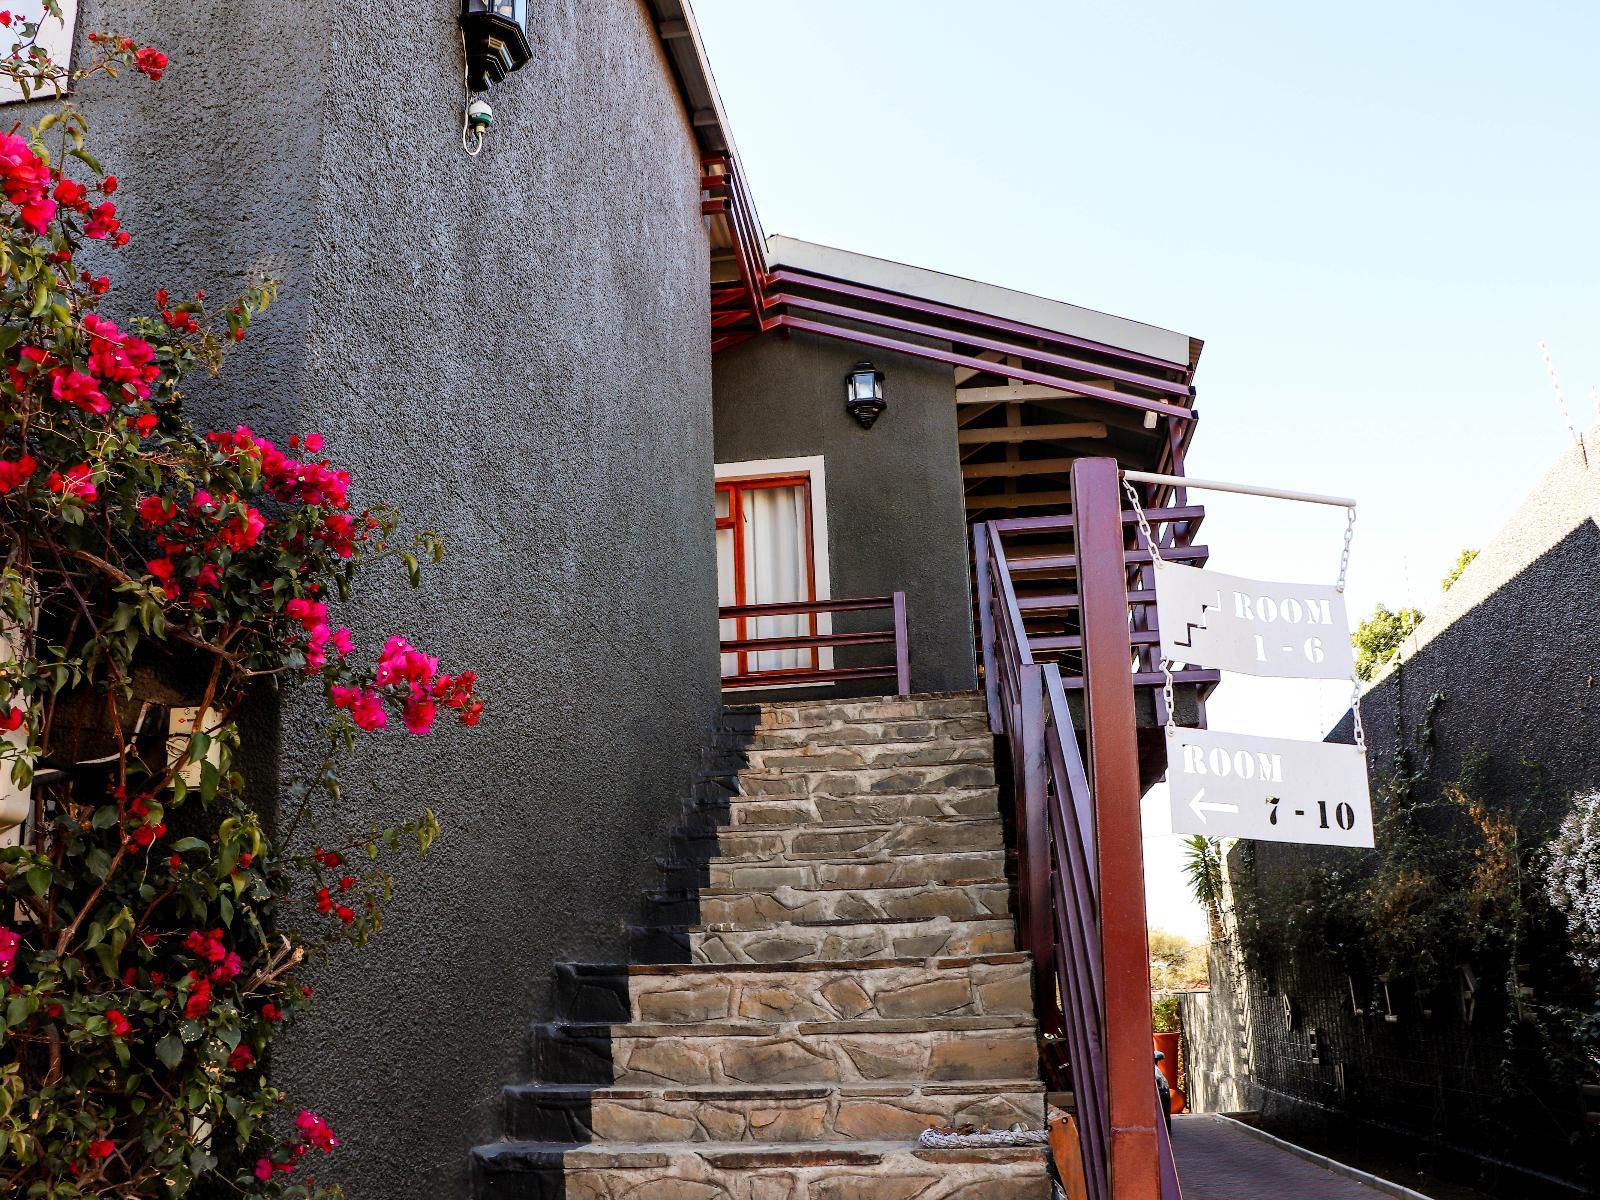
{"x":1080,"y":874}
{"x":745,"y":646}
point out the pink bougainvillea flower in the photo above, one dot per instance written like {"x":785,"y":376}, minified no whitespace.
{"x":418,"y":714}
{"x":79,"y":390}
{"x":102,"y":222}
{"x":365,"y":705}
{"x":102,"y":1148}
{"x":263,"y":1169}
{"x":78,"y":483}
{"x":10,"y":940}
{"x":14,"y":472}
{"x":156,"y":511}
{"x":198,"y":1003}
{"x":120,"y":358}
{"x":241,"y":1058}
{"x":243,"y":531}
{"x":73,"y":194}
{"x":151,"y":62}
{"x":315,"y":1130}
{"x":12,"y":719}
{"x":120,"y":1025}
{"x":343,"y":642}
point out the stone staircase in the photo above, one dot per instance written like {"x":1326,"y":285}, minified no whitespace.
{"x":828,"y":967}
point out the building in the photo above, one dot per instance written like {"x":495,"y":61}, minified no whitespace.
{"x":580,"y":359}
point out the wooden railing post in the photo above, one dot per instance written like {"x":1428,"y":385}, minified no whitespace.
{"x":902,"y":646}
{"x":991,"y":677}
{"x":1114,"y":770}
{"x":1033,"y":827}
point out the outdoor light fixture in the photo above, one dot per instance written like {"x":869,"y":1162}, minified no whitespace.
{"x":863,"y":394}
{"x":496,"y":40}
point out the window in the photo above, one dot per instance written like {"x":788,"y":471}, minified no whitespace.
{"x":772,"y":548}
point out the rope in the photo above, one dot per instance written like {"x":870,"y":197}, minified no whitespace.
{"x":938,"y":1139}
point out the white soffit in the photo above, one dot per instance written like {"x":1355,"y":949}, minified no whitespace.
{"x":986,"y":298}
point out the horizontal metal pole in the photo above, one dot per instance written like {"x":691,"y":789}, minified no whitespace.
{"x":1244,"y":489}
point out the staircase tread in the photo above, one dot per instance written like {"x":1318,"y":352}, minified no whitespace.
{"x":900,"y":886}
{"x":752,"y":1152}
{"x":781,"y":1091}
{"x":774,"y":1029}
{"x":942,"y":962}
{"x":838,"y":923}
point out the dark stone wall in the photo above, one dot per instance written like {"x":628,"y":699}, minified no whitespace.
{"x":1511,"y":685}
{"x":896,"y":516}
{"x":516,"y":349}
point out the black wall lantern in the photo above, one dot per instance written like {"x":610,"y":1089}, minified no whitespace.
{"x":863,"y":394}
{"x":496,"y":38}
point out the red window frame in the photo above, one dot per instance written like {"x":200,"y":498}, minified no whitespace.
{"x":735,"y":489}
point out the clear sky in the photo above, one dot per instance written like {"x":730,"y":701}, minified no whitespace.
{"x":1371,"y":212}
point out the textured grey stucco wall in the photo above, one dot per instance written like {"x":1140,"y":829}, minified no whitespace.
{"x":516,"y":349}
{"x":896,"y":516}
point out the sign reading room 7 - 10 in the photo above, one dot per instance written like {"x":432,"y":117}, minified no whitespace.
{"x":1269,"y":789}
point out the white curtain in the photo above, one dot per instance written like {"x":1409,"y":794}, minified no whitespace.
{"x":776,"y":570}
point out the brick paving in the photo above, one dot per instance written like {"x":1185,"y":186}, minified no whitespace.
{"x":1219,"y":1162}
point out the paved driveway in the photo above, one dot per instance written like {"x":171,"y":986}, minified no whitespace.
{"x":1217,"y":1161}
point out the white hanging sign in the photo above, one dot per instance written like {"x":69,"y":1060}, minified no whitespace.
{"x":1268,"y":789}
{"x":1284,"y":630}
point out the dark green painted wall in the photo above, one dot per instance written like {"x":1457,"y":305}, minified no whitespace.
{"x":896,"y":517}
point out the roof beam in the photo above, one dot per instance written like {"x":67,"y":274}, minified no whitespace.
{"x":1019,"y":500}
{"x":1016,"y":393}
{"x":1036,"y":466}
{"x":1031,"y":433}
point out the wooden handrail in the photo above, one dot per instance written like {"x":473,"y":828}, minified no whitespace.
{"x":898,"y":635}
{"x":1079,"y":860}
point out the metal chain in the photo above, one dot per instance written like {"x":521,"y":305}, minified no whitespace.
{"x":1344,"y":557}
{"x":1158,"y":562}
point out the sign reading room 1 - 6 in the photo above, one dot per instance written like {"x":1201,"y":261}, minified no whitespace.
{"x":1285,"y":630}
{"x":1269,"y":789}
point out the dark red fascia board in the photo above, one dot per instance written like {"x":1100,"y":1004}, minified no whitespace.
{"x":1024,"y":374}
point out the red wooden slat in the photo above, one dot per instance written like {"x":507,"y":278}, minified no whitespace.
{"x":771,"y":678}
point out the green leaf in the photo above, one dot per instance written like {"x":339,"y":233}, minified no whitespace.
{"x":104,"y":817}
{"x":39,"y":880}
{"x":89,"y":159}
{"x":17,"y":1011}
{"x":184,"y":845}
{"x":170,"y":1050}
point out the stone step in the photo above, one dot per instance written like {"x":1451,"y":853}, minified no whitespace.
{"x":739,"y":1171}
{"x":751,"y":909}
{"x":935,"y":1049}
{"x":854,"y":756}
{"x":667,"y":993}
{"x":824,"y":941}
{"x":774,"y":1113}
{"x":779,"y":844}
{"x":812,"y":713}
{"x":863,"y":808}
{"x":851,"y":733}
{"x":845,"y":872}
{"x":820,"y":780}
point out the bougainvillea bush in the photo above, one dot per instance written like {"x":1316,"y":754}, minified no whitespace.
{"x":1572,"y":877}
{"x":156,"y":577}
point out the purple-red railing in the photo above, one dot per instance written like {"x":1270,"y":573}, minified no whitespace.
{"x":1080,"y":852}
{"x":743,"y":644}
